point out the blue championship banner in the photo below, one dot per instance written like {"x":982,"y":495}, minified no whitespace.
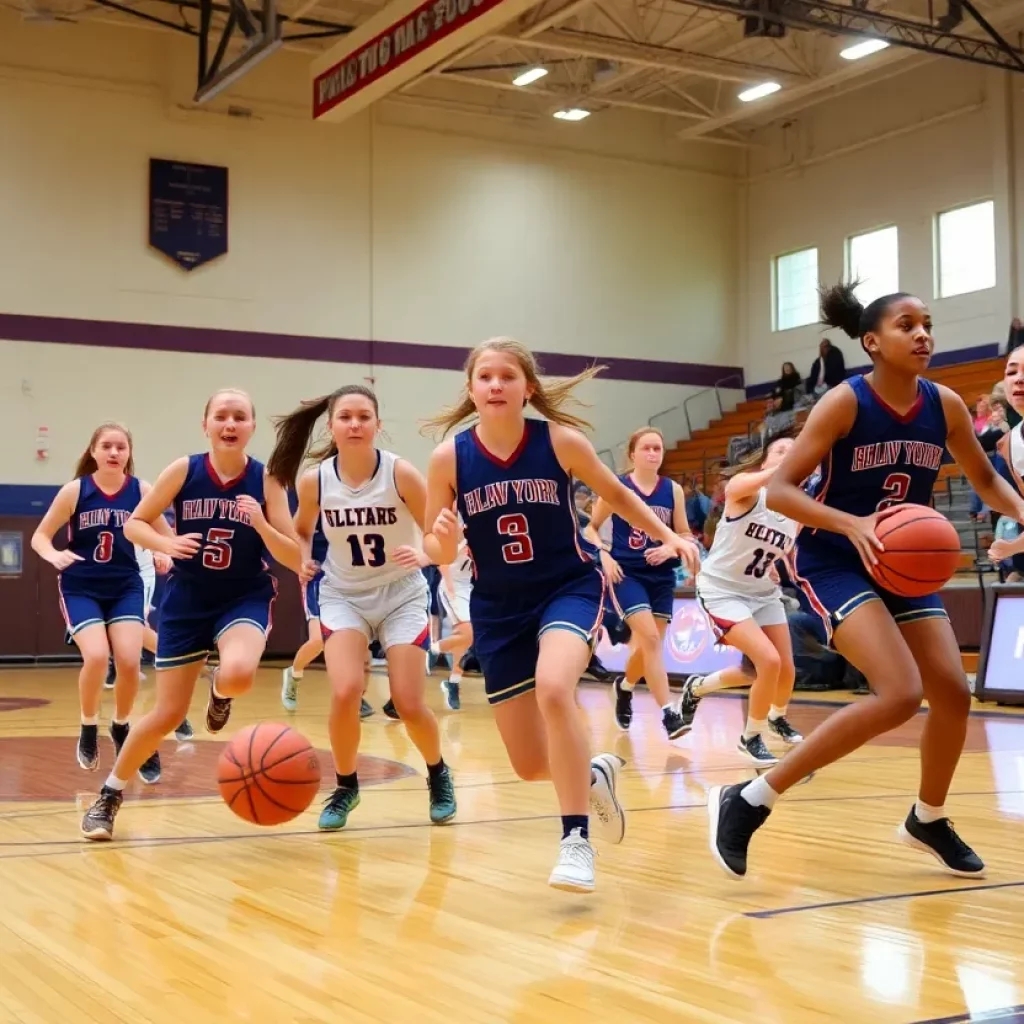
{"x":188,"y":211}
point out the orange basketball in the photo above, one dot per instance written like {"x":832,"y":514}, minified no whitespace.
{"x":268,"y":774}
{"x":922,"y":550}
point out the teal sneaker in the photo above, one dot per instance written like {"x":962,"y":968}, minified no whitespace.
{"x":442,"y":797}
{"x":336,"y":810}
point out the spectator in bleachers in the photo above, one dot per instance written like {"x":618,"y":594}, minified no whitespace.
{"x":982,"y":411}
{"x":828,"y":370}
{"x":698,"y":504}
{"x":789,"y":387}
{"x":999,"y":395}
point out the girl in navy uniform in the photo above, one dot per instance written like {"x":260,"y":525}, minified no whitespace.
{"x":642,"y":574}
{"x":292,"y":675}
{"x":537,"y":593}
{"x":101,"y":592}
{"x":219,"y":594}
{"x":879,"y":441}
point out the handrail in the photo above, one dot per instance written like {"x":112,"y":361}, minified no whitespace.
{"x":718,"y":398}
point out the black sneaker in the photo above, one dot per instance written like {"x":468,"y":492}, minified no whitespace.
{"x":731,"y":824}
{"x":441,"y":788}
{"x":391,"y":711}
{"x":755,"y":750}
{"x":184,"y":731}
{"x":674,"y":723}
{"x":688,"y":703}
{"x":118,"y":733}
{"x":365,"y":708}
{"x":781,"y":727}
{"x":98,"y":823}
{"x":150,"y":770}
{"x":939,"y":838}
{"x":218,"y":711}
{"x":623,"y":704}
{"x":108,"y":683}
{"x":89,"y":747}
{"x":452,"y":700}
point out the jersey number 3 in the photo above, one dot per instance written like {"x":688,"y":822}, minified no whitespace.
{"x":521,"y":549}
{"x":105,"y":547}
{"x":895,"y":489}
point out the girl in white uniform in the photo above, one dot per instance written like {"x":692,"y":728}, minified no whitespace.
{"x":738,"y":589}
{"x":1011,"y":447}
{"x":370,"y":504}
{"x":453,"y":594}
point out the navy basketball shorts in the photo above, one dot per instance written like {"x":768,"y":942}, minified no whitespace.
{"x":311,"y":597}
{"x":507,"y":630}
{"x":194,"y":615}
{"x":836,"y":585}
{"x":638,"y":593}
{"x":433,"y":577}
{"x":94,"y":604}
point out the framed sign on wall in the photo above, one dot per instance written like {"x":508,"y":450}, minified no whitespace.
{"x":188,"y":211}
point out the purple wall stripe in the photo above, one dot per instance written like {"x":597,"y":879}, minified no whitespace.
{"x":160,"y":337}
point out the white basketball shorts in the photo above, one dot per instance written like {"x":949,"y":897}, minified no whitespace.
{"x":724,"y":608}
{"x":457,"y":607}
{"x":397,"y":613}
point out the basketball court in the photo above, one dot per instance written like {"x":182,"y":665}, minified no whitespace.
{"x":194,"y":914}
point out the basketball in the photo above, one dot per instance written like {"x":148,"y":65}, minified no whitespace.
{"x":922,"y":550}
{"x":268,"y":774}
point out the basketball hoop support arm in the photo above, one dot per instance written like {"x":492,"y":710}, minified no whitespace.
{"x":262,"y":32}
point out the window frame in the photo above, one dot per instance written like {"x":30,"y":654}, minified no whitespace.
{"x":774,"y":268}
{"x":937,"y":249}
{"x":848,"y":247}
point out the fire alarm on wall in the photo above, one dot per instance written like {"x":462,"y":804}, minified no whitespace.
{"x":42,"y":444}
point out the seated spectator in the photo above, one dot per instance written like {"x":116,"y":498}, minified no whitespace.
{"x":774,"y":423}
{"x":789,"y":387}
{"x":828,"y":370}
{"x":982,"y":411}
{"x":698,"y":504}
{"x":995,"y":428}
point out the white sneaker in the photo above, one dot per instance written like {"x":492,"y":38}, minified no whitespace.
{"x":289,"y":690}
{"x":574,"y":871}
{"x":607,"y":819}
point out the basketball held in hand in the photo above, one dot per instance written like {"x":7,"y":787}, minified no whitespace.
{"x":922,"y":550}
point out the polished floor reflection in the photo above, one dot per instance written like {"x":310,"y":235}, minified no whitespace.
{"x":195,"y":915}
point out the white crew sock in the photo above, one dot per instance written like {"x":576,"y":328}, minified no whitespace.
{"x":759,"y":794}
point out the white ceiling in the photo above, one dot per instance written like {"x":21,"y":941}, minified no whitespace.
{"x":680,"y":61}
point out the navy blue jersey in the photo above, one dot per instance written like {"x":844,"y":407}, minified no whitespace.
{"x":519,"y":514}
{"x":232,"y":549}
{"x":96,"y":533}
{"x":886,"y":459}
{"x":629,"y":544}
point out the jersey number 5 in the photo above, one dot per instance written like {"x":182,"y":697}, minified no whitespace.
{"x":637,"y":539}
{"x":895,"y":488}
{"x":521,"y":549}
{"x":217,"y":550}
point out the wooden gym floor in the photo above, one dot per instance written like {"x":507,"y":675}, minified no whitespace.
{"x":196,"y":916}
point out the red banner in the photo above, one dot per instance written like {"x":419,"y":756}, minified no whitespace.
{"x":396,"y":45}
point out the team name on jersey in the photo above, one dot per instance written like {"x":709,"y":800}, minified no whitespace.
{"x":372,"y":516}
{"x":103,"y":517}
{"x":765,"y":534}
{"x":889,"y":453}
{"x":664,"y":514}
{"x":213,"y":508}
{"x":521,"y":492}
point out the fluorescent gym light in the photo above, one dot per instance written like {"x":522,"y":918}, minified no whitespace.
{"x":573,"y":114}
{"x":865,"y":49}
{"x":529,"y":77}
{"x":757,"y":92}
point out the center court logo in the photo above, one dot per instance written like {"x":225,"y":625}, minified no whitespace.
{"x":689,"y":633}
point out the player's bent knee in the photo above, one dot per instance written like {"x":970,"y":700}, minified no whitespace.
{"x":347,"y":689}
{"x":555,"y":696}
{"x":950,"y":695}
{"x":898,"y":708}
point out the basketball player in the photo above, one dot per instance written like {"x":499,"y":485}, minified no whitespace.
{"x":453,"y":595}
{"x":101,"y":591}
{"x":219,"y":595}
{"x":642,"y":574}
{"x":879,"y":440}
{"x":740,"y":594}
{"x":370,"y":504}
{"x":1011,"y":447}
{"x":537,"y":595}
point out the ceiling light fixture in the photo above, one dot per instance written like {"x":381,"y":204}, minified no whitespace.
{"x":572,"y":114}
{"x":865,"y":49}
{"x":529,"y":77}
{"x":757,"y":92}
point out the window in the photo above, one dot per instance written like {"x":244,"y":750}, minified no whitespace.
{"x":965,"y":243}
{"x":873,"y":259}
{"x":796,"y":289}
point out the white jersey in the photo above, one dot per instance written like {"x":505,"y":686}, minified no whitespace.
{"x":363,"y":526}
{"x":744,"y":549}
{"x":147,"y":570}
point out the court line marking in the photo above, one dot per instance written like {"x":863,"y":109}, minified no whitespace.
{"x":891,"y":897}
{"x":980,"y":1018}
